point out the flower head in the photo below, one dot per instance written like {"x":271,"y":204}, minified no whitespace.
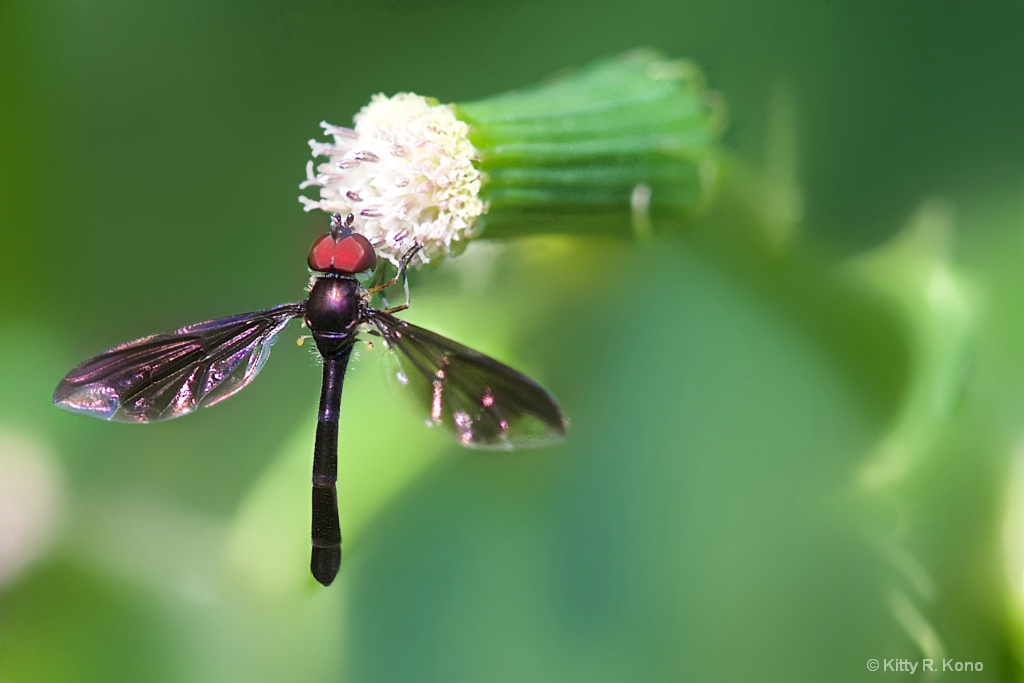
{"x":405,"y":171}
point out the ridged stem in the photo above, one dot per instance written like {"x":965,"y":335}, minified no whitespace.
{"x":626,"y":140}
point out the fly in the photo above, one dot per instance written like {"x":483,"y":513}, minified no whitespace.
{"x":480,"y":401}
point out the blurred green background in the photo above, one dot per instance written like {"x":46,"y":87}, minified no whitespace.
{"x":796,"y":430}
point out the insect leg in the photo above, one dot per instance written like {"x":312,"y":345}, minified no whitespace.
{"x":402,"y":267}
{"x":403,"y":264}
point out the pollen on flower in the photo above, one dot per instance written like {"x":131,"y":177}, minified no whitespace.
{"x":406,"y":171}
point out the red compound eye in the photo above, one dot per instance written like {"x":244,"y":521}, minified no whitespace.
{"x":349,"y":255}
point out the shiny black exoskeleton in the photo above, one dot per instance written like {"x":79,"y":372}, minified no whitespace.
{"x":480,"y":401}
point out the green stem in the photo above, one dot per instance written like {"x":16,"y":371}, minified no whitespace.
{"x":581,"y":152}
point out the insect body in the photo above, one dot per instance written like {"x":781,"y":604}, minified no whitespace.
{"x":482,"y":402}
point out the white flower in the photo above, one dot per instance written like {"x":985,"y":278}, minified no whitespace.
{"x":405,"y":171}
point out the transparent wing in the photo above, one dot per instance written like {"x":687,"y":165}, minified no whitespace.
{"x":170,"y":374}
{"x":484,"y":403}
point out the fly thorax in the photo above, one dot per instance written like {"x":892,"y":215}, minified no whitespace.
{"x":332,"y":312}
